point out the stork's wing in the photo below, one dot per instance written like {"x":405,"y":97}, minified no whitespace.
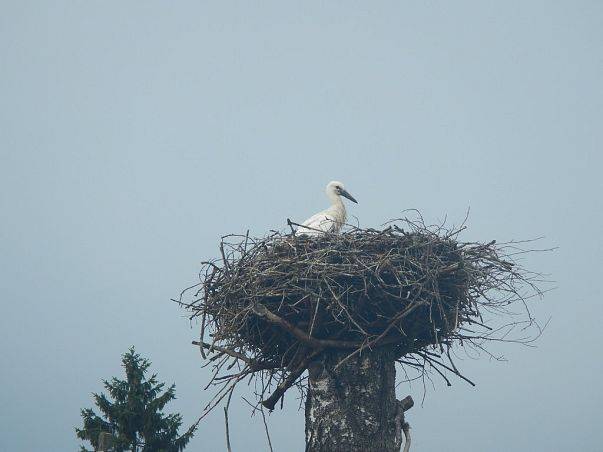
{"x":318,"y":224}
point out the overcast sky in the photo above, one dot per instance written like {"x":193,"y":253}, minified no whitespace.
{"x":134,"y":134}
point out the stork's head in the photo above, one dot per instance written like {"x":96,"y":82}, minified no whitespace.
{"x":335,"y":189}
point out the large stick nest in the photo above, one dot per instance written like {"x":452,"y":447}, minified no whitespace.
{"x":274,"y":303}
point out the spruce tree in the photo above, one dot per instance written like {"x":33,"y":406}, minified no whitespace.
{"x":132,"y":418}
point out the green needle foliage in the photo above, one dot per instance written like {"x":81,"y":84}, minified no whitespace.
{"x":132,"y":418}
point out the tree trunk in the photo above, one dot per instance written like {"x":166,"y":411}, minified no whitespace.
{"x":354,"y":407}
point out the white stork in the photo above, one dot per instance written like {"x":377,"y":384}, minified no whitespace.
{"x":331,"y":219}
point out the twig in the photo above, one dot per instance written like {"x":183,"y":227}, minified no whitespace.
{"x":227,"y":433}
{"x":223,"y":350}
{"x":266,"y":429}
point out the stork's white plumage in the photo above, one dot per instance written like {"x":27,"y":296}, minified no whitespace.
{"x":331,"y":219}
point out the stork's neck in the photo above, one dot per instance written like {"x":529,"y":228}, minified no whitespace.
{"x":336,"y":201}
{"x":338,"y":208}
{"x":339,"y":212}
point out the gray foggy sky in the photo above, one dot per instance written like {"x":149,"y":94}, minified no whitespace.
{"x":134,"y":134}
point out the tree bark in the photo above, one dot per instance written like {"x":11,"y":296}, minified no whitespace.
{"x":353,"y":408}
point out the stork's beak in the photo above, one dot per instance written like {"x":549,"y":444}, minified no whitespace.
{"x":347,"y":195}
